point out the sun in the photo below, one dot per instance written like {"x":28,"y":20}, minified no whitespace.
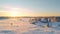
{"x":14,"y":13}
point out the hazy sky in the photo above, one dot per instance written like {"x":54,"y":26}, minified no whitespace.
{"x":30,"y":7}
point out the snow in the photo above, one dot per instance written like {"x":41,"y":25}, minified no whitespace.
{"x":23,"y":26}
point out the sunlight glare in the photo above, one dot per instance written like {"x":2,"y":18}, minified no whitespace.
{"x":14,"y":13}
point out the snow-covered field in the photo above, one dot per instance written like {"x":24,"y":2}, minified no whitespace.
{"x":23,"y":26}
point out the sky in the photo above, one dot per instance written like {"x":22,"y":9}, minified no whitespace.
{"x":29,"y":7}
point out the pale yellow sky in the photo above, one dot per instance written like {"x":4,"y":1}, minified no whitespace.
{"x":13,"y":11}
{"x":24,"y":14}
{"x":30,"y":8}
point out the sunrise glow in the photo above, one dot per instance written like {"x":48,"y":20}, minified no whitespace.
{"x":13,"y":13}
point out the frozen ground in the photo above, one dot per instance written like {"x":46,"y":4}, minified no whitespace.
{"x":23,"y":26}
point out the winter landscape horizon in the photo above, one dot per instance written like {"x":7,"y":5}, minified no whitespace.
{"x":29,"y":16}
